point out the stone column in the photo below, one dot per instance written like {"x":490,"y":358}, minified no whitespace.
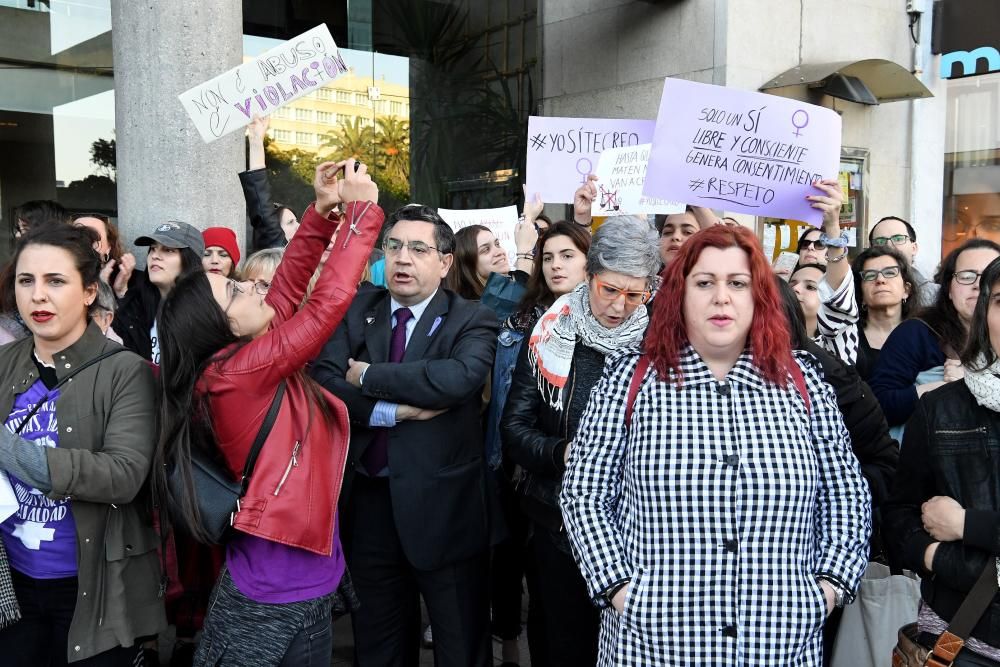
{"x":164,"y":169}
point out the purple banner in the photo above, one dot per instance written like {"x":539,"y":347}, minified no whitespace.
{"x":562,"y":151}
{"x":741,"y":151}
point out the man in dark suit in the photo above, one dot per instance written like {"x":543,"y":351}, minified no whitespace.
{"x":410,"y":363}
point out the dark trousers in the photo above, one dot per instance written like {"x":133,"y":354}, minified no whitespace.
{"x":563,"y":623}
{"x":39,"y":639}
{"x":312,"y":647}
{"x":387,"y":624}
{"x":507,"y":566}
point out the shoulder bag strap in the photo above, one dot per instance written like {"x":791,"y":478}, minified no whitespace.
{"x":633,"y":389}
{"x":66,"y":378}
{"x":973,"y":607}
{"x":265,"y":430}
{"x":800,"y":384}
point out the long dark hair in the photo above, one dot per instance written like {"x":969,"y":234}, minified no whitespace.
{"x":942,"y":317}
{"x":464,"y":279}
{"x":793,"y":313}
{"x":77,"y":241}
{"x":979,"y":345}
{"x":910,"y":302}
{"x":537,"y":292}
{"x":192,"y":330}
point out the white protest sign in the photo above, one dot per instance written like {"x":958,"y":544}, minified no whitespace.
{"x":278,"y":76}
{"x":563,"y":151}
{"x":621,"y":173}
{"x":500,"y":221}
{"x":8,"y":501}
{"x":742,"y":151}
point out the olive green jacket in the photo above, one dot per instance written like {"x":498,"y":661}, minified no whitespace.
{"x":107,"y":435}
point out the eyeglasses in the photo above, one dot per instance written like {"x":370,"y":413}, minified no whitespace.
{"x":815,"y":244}
{"x":869,"y":275}
{"x":417,"y":248}
{"x":895,"y":239}
{"x":611,"y":293}
{"x":967,"y":277}
{"x":236,"y":289}
{"x":261,"y":287}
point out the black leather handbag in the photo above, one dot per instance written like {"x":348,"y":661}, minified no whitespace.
{"x":217,"y":495}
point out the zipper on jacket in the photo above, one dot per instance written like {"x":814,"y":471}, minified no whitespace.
{"x":354,"y":223}
{"x":292,"y":463}
{"x":969,"y":431}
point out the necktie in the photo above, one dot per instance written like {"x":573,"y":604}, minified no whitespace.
{"x":376,"y":456}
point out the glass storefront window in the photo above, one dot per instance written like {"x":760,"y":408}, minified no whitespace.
{"x":972,"y":161}
{"x":57,"y":106}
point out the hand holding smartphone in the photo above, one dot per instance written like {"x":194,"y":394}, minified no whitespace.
{"x":785,"y":264}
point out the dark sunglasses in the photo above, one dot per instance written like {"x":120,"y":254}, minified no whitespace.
{"x":815,"y":244}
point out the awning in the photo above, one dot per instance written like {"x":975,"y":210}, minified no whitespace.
{"x":887,"y":81}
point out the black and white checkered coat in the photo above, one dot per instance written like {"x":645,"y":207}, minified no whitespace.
{"x":722,"y":506}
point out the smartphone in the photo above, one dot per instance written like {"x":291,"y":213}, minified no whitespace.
{"x":785,"y":264}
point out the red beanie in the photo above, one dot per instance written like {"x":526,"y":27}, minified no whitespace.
{"x":225,"y":238}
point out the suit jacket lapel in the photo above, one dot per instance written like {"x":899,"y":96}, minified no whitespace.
{"x":423,"y":334}
{"x":378,"y":331}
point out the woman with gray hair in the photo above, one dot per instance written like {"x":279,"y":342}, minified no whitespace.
{"x":556,"y":370}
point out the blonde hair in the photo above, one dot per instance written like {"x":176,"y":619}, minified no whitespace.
{"x":262,"y":261}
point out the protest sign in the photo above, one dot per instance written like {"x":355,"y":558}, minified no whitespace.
{"x":500,"y":221}
{"x":741,"y":151}
{"x":279,"y":76}
{"x":621,"y":173}
{"x":562,"y":151}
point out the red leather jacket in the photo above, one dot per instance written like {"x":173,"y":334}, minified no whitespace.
{"x":292,"y":498}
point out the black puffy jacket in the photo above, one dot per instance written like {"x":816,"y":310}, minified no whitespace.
{"x":534,"y":435}
{"x":875,"y":449}
{"x":951,"y":448}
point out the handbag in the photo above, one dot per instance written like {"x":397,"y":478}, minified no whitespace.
{"x":216,"y":495}
{"x":909,"y":652}
{"x":867,"y":631}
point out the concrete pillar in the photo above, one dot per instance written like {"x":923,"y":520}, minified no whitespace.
{"x":164,"y":170}
{"x":928,"y":127}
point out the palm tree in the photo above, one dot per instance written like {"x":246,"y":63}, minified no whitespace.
{"x":352,"y":139}
{"x":392,"y":137}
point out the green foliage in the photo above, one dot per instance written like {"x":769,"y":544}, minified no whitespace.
{"x":103,"y":156}
{"x":385,"y":148}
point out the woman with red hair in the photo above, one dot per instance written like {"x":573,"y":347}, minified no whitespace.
{"x":713,"y":503}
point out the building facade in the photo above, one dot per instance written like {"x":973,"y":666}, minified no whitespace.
{"x":89,"y":115}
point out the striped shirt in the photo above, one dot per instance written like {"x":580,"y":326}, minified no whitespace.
{"x":837,"y":320}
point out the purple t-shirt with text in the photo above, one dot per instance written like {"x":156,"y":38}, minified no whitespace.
{"x":40,"y":536}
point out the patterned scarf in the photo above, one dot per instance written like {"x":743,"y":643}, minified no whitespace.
{"x":985,"y":384}
{"x":9,"y":611}
{"x":550,"y":347}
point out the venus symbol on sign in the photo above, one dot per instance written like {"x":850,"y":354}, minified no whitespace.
{"x":796,"y":120}
{"x":585,"y":172}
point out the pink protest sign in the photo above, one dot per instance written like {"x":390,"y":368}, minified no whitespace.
{"x":562,"y":151}
{"x":741,"y":151}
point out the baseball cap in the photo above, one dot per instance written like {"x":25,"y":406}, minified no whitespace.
{"x":175,"y":234}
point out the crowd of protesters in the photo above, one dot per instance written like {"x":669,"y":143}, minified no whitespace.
{"x":674,"y":446}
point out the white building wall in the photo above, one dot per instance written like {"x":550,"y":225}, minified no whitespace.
{"x":607,"y":58}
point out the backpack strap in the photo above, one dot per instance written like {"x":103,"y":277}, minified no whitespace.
{"x":800,"y":384}
{"x":633,"y":388}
